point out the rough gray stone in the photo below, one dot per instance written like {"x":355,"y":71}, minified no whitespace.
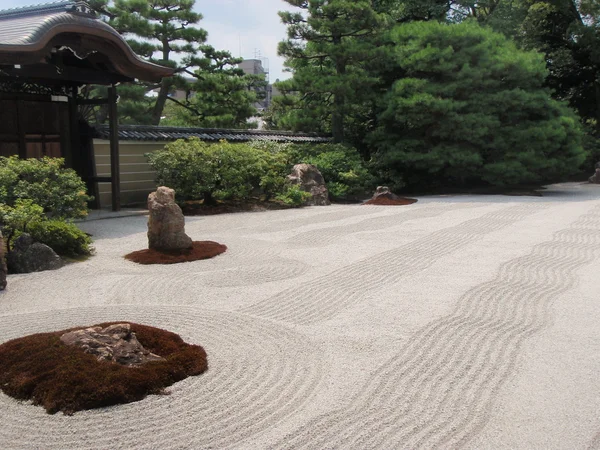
{"x":309,"y":179}
{"x":29,"y":256}
{"x":384,"y":191}
{"x":166,"y":223}
{"x":116,"y":343}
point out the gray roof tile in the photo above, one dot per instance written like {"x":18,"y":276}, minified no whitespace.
{"x":150,"y":133}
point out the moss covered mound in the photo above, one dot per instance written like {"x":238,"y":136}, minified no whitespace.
{"x":63,"y":378}
{"x":388,"y":201}
{"x":199,"y":250}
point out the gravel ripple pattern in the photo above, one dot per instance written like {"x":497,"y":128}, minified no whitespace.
{"x":336,"y":291}
{"x":437,"y":391}
{"x":345,"y":327}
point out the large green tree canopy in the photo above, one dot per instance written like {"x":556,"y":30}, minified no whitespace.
{"x":469,"y":107}
{"x":330,"y":46}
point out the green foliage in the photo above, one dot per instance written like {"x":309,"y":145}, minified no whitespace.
{"x":14,"y":219}
{"x":63,"y":237}
{"x":218,"y":93}
{"x":345,"y":173}
{"x":59,"y":191}
{"x":219,"y":100}
{"x":293,"y":196}
{"x":198,"y":170}
{"x":471,"y":108}
{"x":331,"y":48}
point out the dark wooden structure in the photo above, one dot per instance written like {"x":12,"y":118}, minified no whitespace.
{"x":47,"y":53}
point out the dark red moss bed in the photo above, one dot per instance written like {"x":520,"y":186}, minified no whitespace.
{"x":388,"y":201}
{"x":63,"y":378}
{"x":200,"y":250}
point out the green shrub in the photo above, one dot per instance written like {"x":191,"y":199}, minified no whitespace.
{"x":15,"y":219}
{"x":293,"y":196}
{"x":344,"y":171}
{"x":198,"y":170}
{"x":59,"y":191}
{"x":63,"y":237}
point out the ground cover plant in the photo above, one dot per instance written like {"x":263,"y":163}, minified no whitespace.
{"x":200,"y":250}
{"x":58,"y":377}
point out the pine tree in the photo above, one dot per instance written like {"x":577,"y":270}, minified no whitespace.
{"x":165,"y":32}
{"x":470,"y":108}
{"x":330,"y":46}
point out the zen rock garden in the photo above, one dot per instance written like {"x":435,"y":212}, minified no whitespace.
{"x":167,"y":241}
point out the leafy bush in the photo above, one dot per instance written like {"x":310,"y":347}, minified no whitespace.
{"x":293,"y":196}
{"x":63,"y":237}
{"x":471,"y":108}
{"x":198,"y":170}
{"x":59,"y":191}
{"x":344,"y":171}
{"x":15,"y":219}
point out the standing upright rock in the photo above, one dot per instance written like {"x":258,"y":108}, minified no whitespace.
{"x":2,"y":264}
{"x":309,"y":179}
{"x":166,"y":224}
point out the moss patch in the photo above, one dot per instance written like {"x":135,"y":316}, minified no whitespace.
{"x":199,"y":250}
{"x":388,"y":201}
{"x":63,"y":378}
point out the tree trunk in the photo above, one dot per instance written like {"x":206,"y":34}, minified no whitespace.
{"x":165,"y":85}
{"x":161,"y":100}
{"x":337,"y":116}
{"x":337,"y":119}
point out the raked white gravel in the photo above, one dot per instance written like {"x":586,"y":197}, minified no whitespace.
{"x":459,"y":321}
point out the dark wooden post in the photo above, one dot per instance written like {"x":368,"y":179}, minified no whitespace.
{"x":21,"y":128}
{"x":115,"y":175}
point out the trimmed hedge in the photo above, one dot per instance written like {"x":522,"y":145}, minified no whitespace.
{"x":201,"y":171}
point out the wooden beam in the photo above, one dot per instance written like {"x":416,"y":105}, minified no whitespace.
{"x":46,"y":74}
{"x":21,"y":129}
{"x":93,"y":101}
{"x":114,"y":148}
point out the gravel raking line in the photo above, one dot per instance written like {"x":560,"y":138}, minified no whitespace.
{"x":259,"y":373}
{"x":329,"y":294}
{"x":324,"y":236}
{"x":437,"y":392}
{"x":444,"y":323}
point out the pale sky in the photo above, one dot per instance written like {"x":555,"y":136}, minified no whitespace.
{"x":239,"y":26}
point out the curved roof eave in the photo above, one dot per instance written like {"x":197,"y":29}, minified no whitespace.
{"x":29,"y":38}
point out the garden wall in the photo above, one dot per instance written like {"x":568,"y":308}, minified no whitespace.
{"x":137,"y":178}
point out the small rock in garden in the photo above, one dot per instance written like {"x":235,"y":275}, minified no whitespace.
{"x":384,"y":192}
{"x":166,"y":223}
{"x":2,"y":264}
{"x":114,"y":343}
{"x":30,"y":256}
{"x":309,"y":179}
{"x":596,"y":177}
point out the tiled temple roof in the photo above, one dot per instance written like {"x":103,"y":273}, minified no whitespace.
{"x":157,"y":133}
